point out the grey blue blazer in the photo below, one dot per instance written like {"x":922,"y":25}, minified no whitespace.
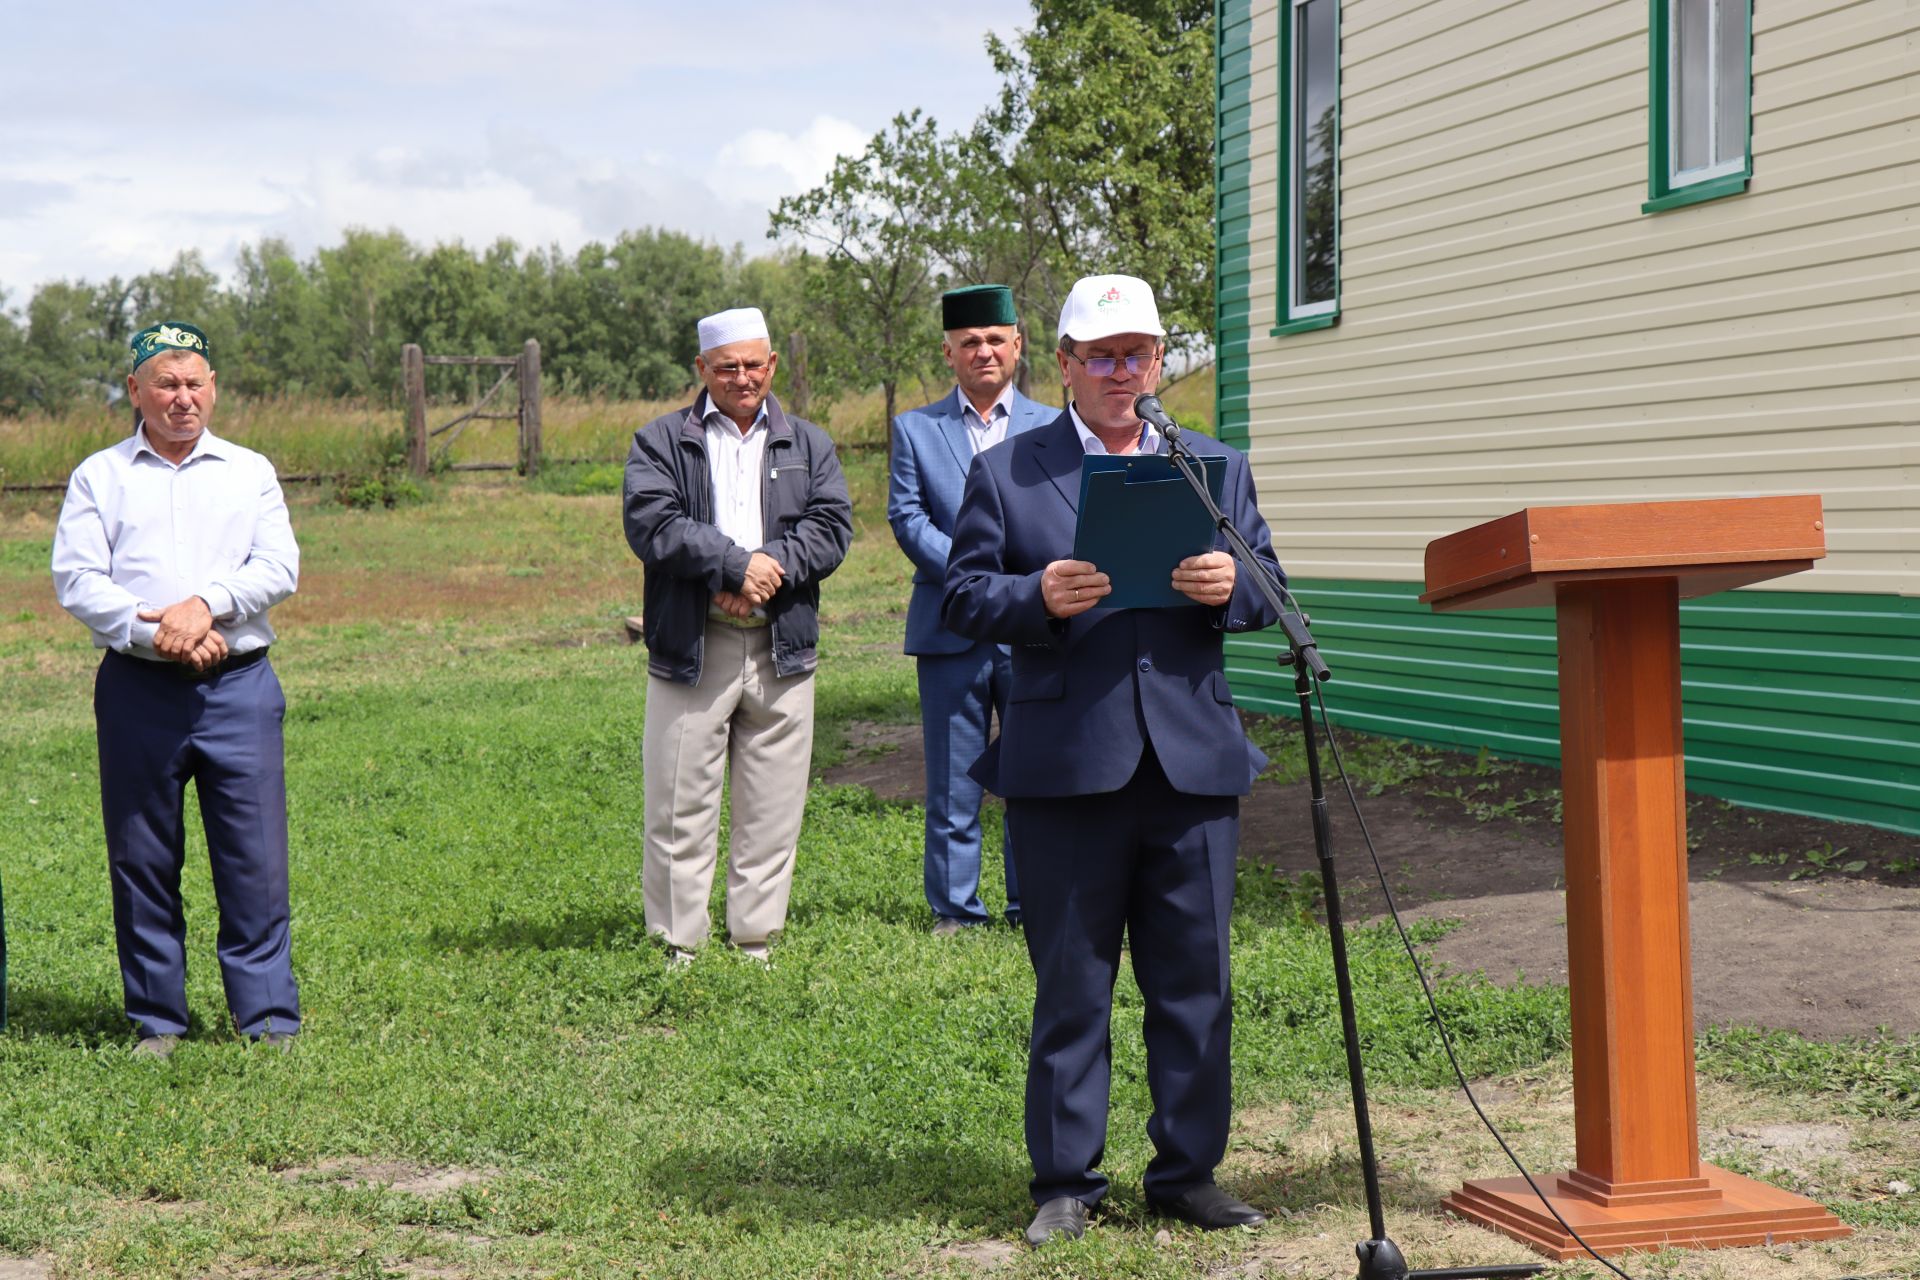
{"x":931,"y":455}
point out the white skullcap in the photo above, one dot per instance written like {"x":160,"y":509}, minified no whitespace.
{"x":1101,"y":306}
{"x":742,"y":324}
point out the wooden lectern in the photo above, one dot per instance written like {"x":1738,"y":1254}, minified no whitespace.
{"x":1615,"y":576}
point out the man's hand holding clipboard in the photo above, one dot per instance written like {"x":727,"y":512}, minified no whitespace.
{"x":1143,"y":540}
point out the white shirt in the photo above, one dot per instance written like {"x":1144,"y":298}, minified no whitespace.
{"x":735,"y":462}
{"x":137,"y":532}
{"x":984,"y":433}
{"x":1149,"y":435}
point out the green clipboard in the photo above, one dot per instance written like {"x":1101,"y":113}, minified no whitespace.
{"x":1138,"y":519}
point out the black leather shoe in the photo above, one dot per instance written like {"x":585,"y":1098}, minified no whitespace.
{"x":1065,"y":1217}
{"x":1209,"y":1208}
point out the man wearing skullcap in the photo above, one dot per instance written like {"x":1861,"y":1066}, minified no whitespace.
{"x":963,"y":682}
{"x":1122,"y":761}
{"x":172,"y":546}
{"x":738,"y":511}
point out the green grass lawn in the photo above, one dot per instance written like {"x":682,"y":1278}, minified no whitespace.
{"x":463,"y":747}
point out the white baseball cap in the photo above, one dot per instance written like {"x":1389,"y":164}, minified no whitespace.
{"x":1101,"y":306}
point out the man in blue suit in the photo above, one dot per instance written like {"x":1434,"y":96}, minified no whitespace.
{"x":963,"y":682}
{"x":1122,"y":761}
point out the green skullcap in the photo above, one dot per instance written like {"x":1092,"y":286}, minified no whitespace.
{"x":169,"y":336}
{"x":977,"y":306}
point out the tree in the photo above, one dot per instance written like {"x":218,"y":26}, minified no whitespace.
{"x":357,"y":284}
{"x":16,"y":375}
{"x":279,"y":330}
{"x":871,"y":272}
{"x":76,"y":342}
{"x":1111,"y":104}
{"x":184,"y":291}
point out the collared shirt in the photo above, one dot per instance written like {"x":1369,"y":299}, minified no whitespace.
{"x":984,"y":433}
{"x":1091,"y":443}
{"x":138,"y":532}
{"x":736,"y":461}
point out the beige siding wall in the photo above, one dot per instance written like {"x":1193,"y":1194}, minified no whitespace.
{"x":1515,"y":332}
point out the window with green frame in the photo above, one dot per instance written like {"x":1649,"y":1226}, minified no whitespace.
{"x":1309,"y":255}
{"x":1700,"y":110}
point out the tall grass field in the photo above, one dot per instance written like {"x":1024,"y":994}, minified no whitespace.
{"x":500,"y":1076}
{"x":310,"y":437}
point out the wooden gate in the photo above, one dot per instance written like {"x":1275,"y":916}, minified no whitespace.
{"x":523,"y":370}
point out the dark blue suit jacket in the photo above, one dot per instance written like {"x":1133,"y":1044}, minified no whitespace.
{"x":1091,"y":691}
{"x":931,"y":454}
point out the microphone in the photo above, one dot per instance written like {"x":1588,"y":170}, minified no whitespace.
{"x":1148,"y":408}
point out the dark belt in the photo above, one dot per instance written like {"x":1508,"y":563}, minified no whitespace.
{"x":752,"y":622}
{"x":181,"y":671}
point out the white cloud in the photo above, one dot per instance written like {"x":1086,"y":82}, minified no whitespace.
{"x":763,"y":165}
{"x":467,"y":119}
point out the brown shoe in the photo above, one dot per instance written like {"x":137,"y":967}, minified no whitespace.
{"x":156,"y":1046}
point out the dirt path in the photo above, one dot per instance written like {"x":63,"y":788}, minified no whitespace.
{"x":1778,"y":940}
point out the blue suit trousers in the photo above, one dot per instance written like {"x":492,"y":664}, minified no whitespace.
{"x":159,"y":726}
{"x":1156,"y":866}
{"x":959,"y":695}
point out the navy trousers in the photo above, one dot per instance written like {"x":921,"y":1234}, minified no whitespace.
{"x":1157,"y":866}
{"x":159,"y":726}
{"x":959,"y":694}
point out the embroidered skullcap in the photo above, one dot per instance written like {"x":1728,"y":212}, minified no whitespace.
{"x":172,"y":335}
{"x":742,"y":324}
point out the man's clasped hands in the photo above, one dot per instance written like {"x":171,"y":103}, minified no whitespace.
{"x":186,"y":634}
{"x":763,"y":578}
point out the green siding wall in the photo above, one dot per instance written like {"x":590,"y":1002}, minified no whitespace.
{"x":1232,"y":191}
{"x":1800,"y":701}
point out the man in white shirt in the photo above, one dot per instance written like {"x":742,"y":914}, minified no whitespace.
{"x":963,"y":682}
{"x":171,"y":547}
{"x":738,"y":511}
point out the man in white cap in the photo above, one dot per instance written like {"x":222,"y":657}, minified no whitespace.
{"x":1122,"y":761}
{"x":738,"y":511}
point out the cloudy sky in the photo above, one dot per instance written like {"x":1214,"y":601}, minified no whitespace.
{"x":128,"y":133}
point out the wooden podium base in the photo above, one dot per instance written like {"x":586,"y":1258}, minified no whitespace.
{"x":1727,"y":1211}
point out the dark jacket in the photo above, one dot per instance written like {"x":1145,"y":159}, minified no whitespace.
{"x":1089,"y":693}
{"x":806,"y":519}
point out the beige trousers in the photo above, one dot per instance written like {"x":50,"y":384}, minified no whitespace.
{"x":744,"y":720}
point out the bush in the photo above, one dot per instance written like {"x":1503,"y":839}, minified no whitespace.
{"x":581,"y":479}
{"x":382,"y":488}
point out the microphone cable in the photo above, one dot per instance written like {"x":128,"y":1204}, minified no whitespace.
{"x":1426,"y":987}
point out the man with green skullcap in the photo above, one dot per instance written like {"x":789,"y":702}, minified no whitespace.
{"x":171,"y":547}
{"x":962,"y":682}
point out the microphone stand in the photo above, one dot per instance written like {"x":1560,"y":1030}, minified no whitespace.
{"x":1380,"y":1257}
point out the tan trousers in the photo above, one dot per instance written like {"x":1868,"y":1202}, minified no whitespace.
{"x":756,"y":726}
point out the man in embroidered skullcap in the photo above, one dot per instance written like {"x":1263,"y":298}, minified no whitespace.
{"x":738,"y":511}
{"x":1122,"y":761}
{"x":963,"y":682}
{"x":172,"y":546}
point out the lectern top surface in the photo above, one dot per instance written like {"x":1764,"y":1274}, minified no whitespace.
{"x":1709,"y":545}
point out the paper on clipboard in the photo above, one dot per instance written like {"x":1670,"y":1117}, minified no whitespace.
{"x":1138,"y":519}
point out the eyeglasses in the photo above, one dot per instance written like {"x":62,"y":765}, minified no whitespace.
{"x":751,"y":369}
{"x":1105,"y":366}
